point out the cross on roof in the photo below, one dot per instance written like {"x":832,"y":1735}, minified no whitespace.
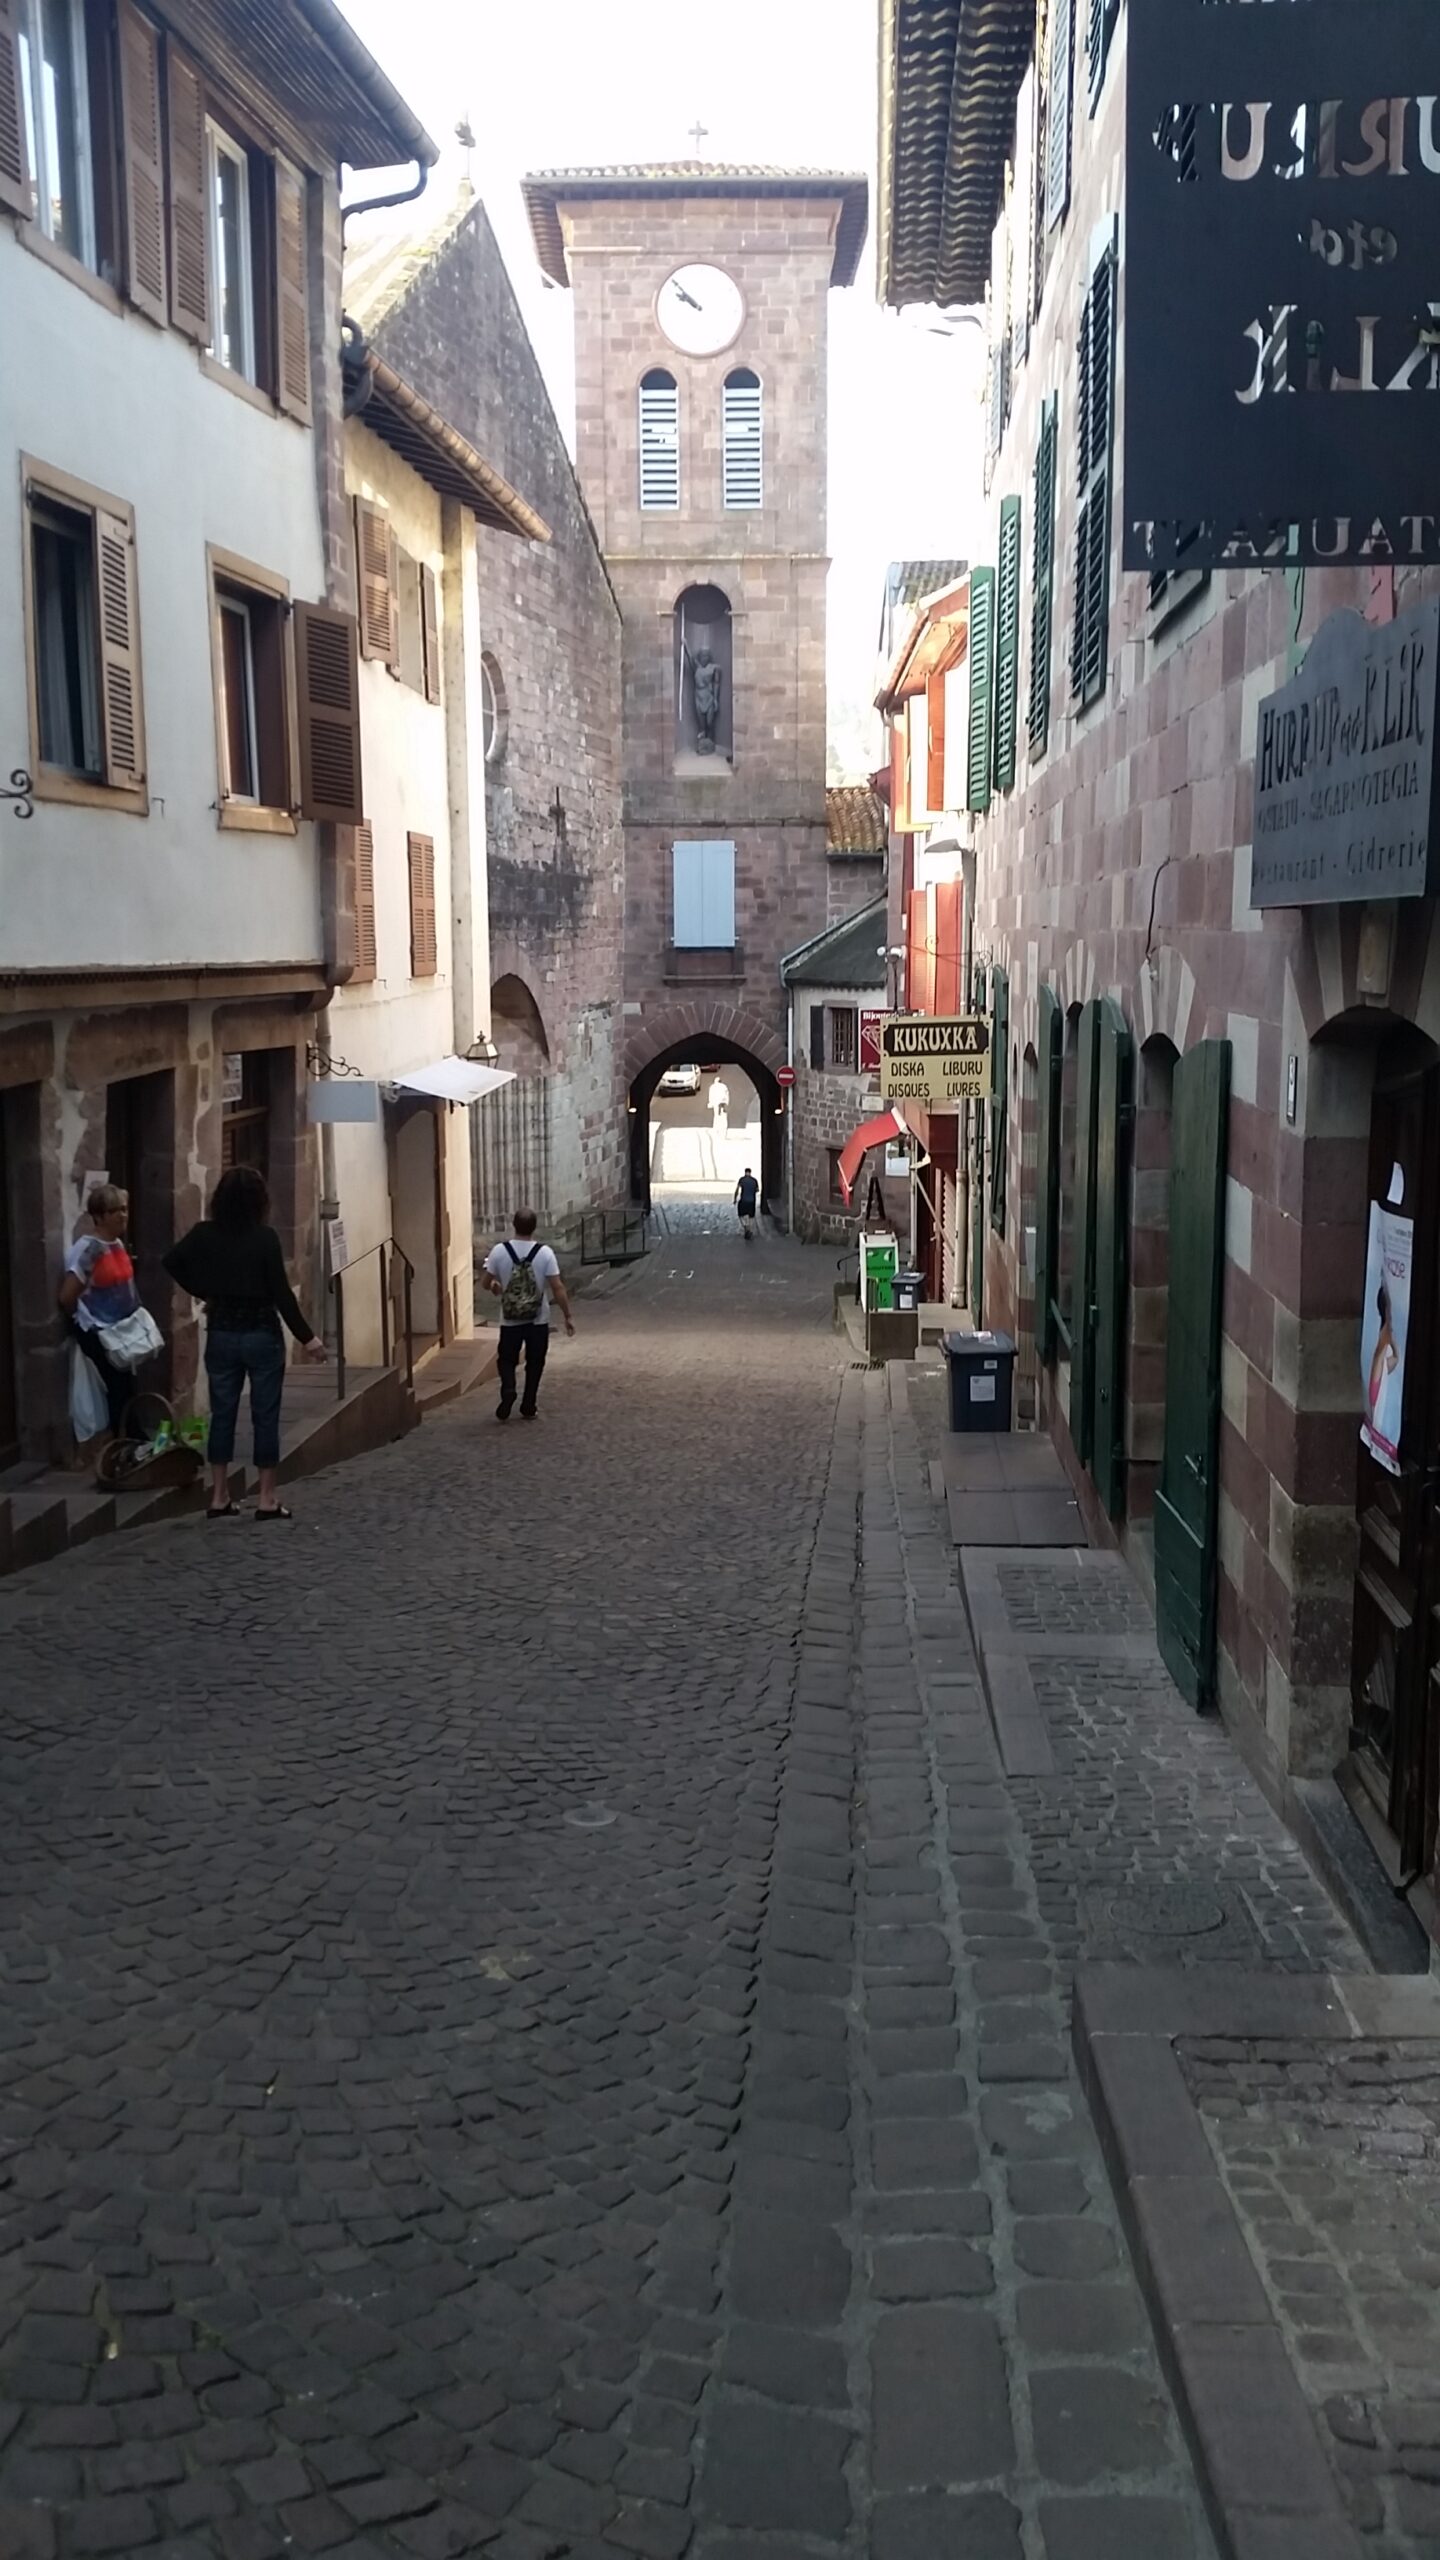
{"x":699,"y":133}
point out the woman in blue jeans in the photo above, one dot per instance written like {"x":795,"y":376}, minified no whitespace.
{"x":232,"y":1260}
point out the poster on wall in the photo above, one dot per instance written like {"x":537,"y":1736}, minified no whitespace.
{"x":1385,"y":1332}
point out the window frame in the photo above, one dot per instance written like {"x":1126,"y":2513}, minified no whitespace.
{"x":226,"y":569}
{"x":742,"y":440}
{"x":28,"y":30}
{"x":1094,"y":477}
{"x":221,"y":143}
{"x":703,"y":891}
{"x":835,"y":1016}
{"x":39,"y":480}
{"x":655,"y":379}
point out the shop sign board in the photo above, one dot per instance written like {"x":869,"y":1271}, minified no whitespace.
{"x":1345,"y":768}
{"x":1282,"y":268}
{"x":870,"y":1026}
{"x":934,"y":1059}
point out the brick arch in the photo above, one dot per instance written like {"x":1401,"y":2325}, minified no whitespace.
{"x":1166,"y":1006}
{"x":699,"y":1020}
{"x":1342,"y":967}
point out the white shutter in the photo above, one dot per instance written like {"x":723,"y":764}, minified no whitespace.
{"x":1058,"y":111}
{"x":659,"y":443}
{"x":688,"y":902}
{"x":744,"y":441}
{"x":719,"y":914}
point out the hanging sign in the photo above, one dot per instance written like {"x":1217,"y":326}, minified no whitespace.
{"x":1282,"y":359}
{"x":870,"y":1027}
{"x":1385,"y":1332}
{"x":935,"y":1058}
{"x":1345,"y":768}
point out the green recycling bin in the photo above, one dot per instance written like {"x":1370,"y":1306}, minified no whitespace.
{"x":879,"y":1255}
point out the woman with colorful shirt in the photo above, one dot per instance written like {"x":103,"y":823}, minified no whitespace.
{"x":99,"y":1289}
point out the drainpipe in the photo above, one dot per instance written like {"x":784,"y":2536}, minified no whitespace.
{"x":790,"y":1117}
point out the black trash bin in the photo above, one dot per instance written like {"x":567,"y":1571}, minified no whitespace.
{"x":982,"y":1375}
{"x":908,"y":1287}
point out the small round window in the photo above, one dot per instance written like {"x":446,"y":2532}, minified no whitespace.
{"x":494,"y":711}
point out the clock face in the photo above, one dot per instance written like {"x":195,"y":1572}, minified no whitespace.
{"x":700,"y":310}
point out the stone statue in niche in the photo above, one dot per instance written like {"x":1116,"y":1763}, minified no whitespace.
{"x":705,"y":684}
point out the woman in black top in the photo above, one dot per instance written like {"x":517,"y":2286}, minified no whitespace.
{"x":232,"y":1260}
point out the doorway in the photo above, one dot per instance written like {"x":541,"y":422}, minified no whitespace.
{"x":140,"y":1157}
{"x":9,"y":1394}
{"x":1394,"y":1763}
{"x":680,"y":1086}
{"x":417,"y":1209}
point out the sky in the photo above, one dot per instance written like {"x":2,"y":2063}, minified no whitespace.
{"x":558,"y":83}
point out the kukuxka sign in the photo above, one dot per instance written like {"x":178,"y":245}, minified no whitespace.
{"x":935,"y":1058}
{"x":1282,"y":272}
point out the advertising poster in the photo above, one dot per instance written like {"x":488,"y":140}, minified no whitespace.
{"x":1385,"y":1332}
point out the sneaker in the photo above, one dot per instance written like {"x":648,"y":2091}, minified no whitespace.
{"x":528,"y":1413}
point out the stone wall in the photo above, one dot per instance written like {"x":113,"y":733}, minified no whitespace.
{"x":550,"y":626}
{"x":828,"y":1105}
{"x":1119,"y":864}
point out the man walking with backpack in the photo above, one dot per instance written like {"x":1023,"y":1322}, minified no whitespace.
{"x":525,"y":1276}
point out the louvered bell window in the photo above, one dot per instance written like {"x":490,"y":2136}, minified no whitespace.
{"x":659,"y":443}
{"x":744,"y":440}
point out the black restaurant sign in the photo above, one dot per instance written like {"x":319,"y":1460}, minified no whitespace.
{"x":1345,"y":769}
{"x":1282,"y":283}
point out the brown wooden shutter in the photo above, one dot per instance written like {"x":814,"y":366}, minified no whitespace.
{"x":376,"y":578}
{"x":430,"y":629}
{"x":327,"y":688}
{"x":421,"y":852}
{"x":365,"y":944}
{"x":292,"y":293}
{"x":14,"y":158}
{"x":143,"y":168}
{"x":189,"y":266}
{"x":120,"y":699}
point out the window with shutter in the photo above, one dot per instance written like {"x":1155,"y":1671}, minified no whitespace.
{"x":83,"y":637}
{"x":144,"y":182}
{"x":376,"y":583}
{"x":1059,"y":111}
{"x":328,"y":706}
{"x":999,"y":1095}
{"x":935,"y":745}
{"x":252,"y":694}
{"x":1007,"y":645}
{"x":193,"y":168}
{"x":659,"y":443}
{"x":420,"y":854}
{"x":292,"y":292}
{"x":843,"y":1036}
{"x":742,"y":432}
{"x":1090,"y":636}
{"x":1042,"y":601}
{"x":430,"y":632}
{"x":1103,"y":16}
{"x":982,"y":687}
{"x":703,"y":902}
{"x":15,"y":188}
{"x":817,"y":1038}
{"x":366,"y":952}
{"x":1022,"y":265}
{"x":410,"y":646}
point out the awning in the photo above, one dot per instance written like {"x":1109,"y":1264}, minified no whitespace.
{"x":451,"y":1080}
{"x":879,"y":1132}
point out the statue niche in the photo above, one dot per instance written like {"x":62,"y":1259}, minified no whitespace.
{"x":704,"y":667}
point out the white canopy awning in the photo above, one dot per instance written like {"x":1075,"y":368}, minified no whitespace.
{"x":452,"y":1080}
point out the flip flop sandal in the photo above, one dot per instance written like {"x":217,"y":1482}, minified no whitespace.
{"x":230,"y":1511}
{"x":280,"y":1512}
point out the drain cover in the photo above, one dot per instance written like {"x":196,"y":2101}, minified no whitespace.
{"x":589,"y":1817}
{"x":1169,"y":1910}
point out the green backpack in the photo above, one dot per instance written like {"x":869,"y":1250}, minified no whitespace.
{"x":522,"y":1298}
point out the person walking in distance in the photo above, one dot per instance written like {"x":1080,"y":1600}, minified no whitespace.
{"x":525,"y":1276}
{"x":718,"y":1100}
{"x":747,"y":1201}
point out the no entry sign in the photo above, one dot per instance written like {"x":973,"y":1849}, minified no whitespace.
{"x":785,"y":1077}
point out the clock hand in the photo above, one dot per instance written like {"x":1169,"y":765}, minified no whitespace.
{"x":689,"y":298}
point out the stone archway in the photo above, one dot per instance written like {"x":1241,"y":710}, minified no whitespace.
{"x":706,"y":1035}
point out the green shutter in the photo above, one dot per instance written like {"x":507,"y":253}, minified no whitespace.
{"x":999,"y":1094}
{"x":1042,"y":601}
{"x":1090,"y":636}
{"x":1112,"y":1168}
{"x":1047,"y":1171}
{"x":1007,"y":644}
{"x":1186,"y":1501}
{"x":1082,"y":1276}
{"x":982,"y":686}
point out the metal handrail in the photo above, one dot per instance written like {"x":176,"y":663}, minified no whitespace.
{"x":385,"y":1248}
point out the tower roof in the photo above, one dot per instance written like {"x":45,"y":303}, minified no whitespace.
{"x":546,"y":190}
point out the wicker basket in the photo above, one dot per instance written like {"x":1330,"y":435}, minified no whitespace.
{"x":122,"y":1468}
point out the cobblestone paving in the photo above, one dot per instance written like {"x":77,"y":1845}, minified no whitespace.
{"x":528,"y":2020}
{"x":1333,"y":2166}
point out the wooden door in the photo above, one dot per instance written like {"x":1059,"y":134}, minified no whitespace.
{"x":1113,"y":1120}
{"x":9,"y":1400}
{"x":1082,"y":1281}
{"x":1395,"y":1666}
{"x":1186,"y":1501}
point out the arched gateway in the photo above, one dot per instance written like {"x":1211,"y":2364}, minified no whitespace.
{"x":707,"y":1035}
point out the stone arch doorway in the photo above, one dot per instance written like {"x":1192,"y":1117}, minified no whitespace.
{"x":687,"y":1038}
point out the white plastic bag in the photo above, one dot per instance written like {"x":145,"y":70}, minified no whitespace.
{"x":89,"y":1410}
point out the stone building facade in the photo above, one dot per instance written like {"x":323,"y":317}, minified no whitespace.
{"x":836,"y":989}
{"x":1113,"y":873}
{"x":706,"y":534}
{"x":435,"y":299}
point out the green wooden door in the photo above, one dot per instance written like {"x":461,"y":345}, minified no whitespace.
{"x":1082,"y":1287}
{"x":1186,"y":1504}
{"x":1047,"y":1171}
{"x":1114,"y":1114}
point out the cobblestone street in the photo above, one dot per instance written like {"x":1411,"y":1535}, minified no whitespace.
{"x":533,"y":2021}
